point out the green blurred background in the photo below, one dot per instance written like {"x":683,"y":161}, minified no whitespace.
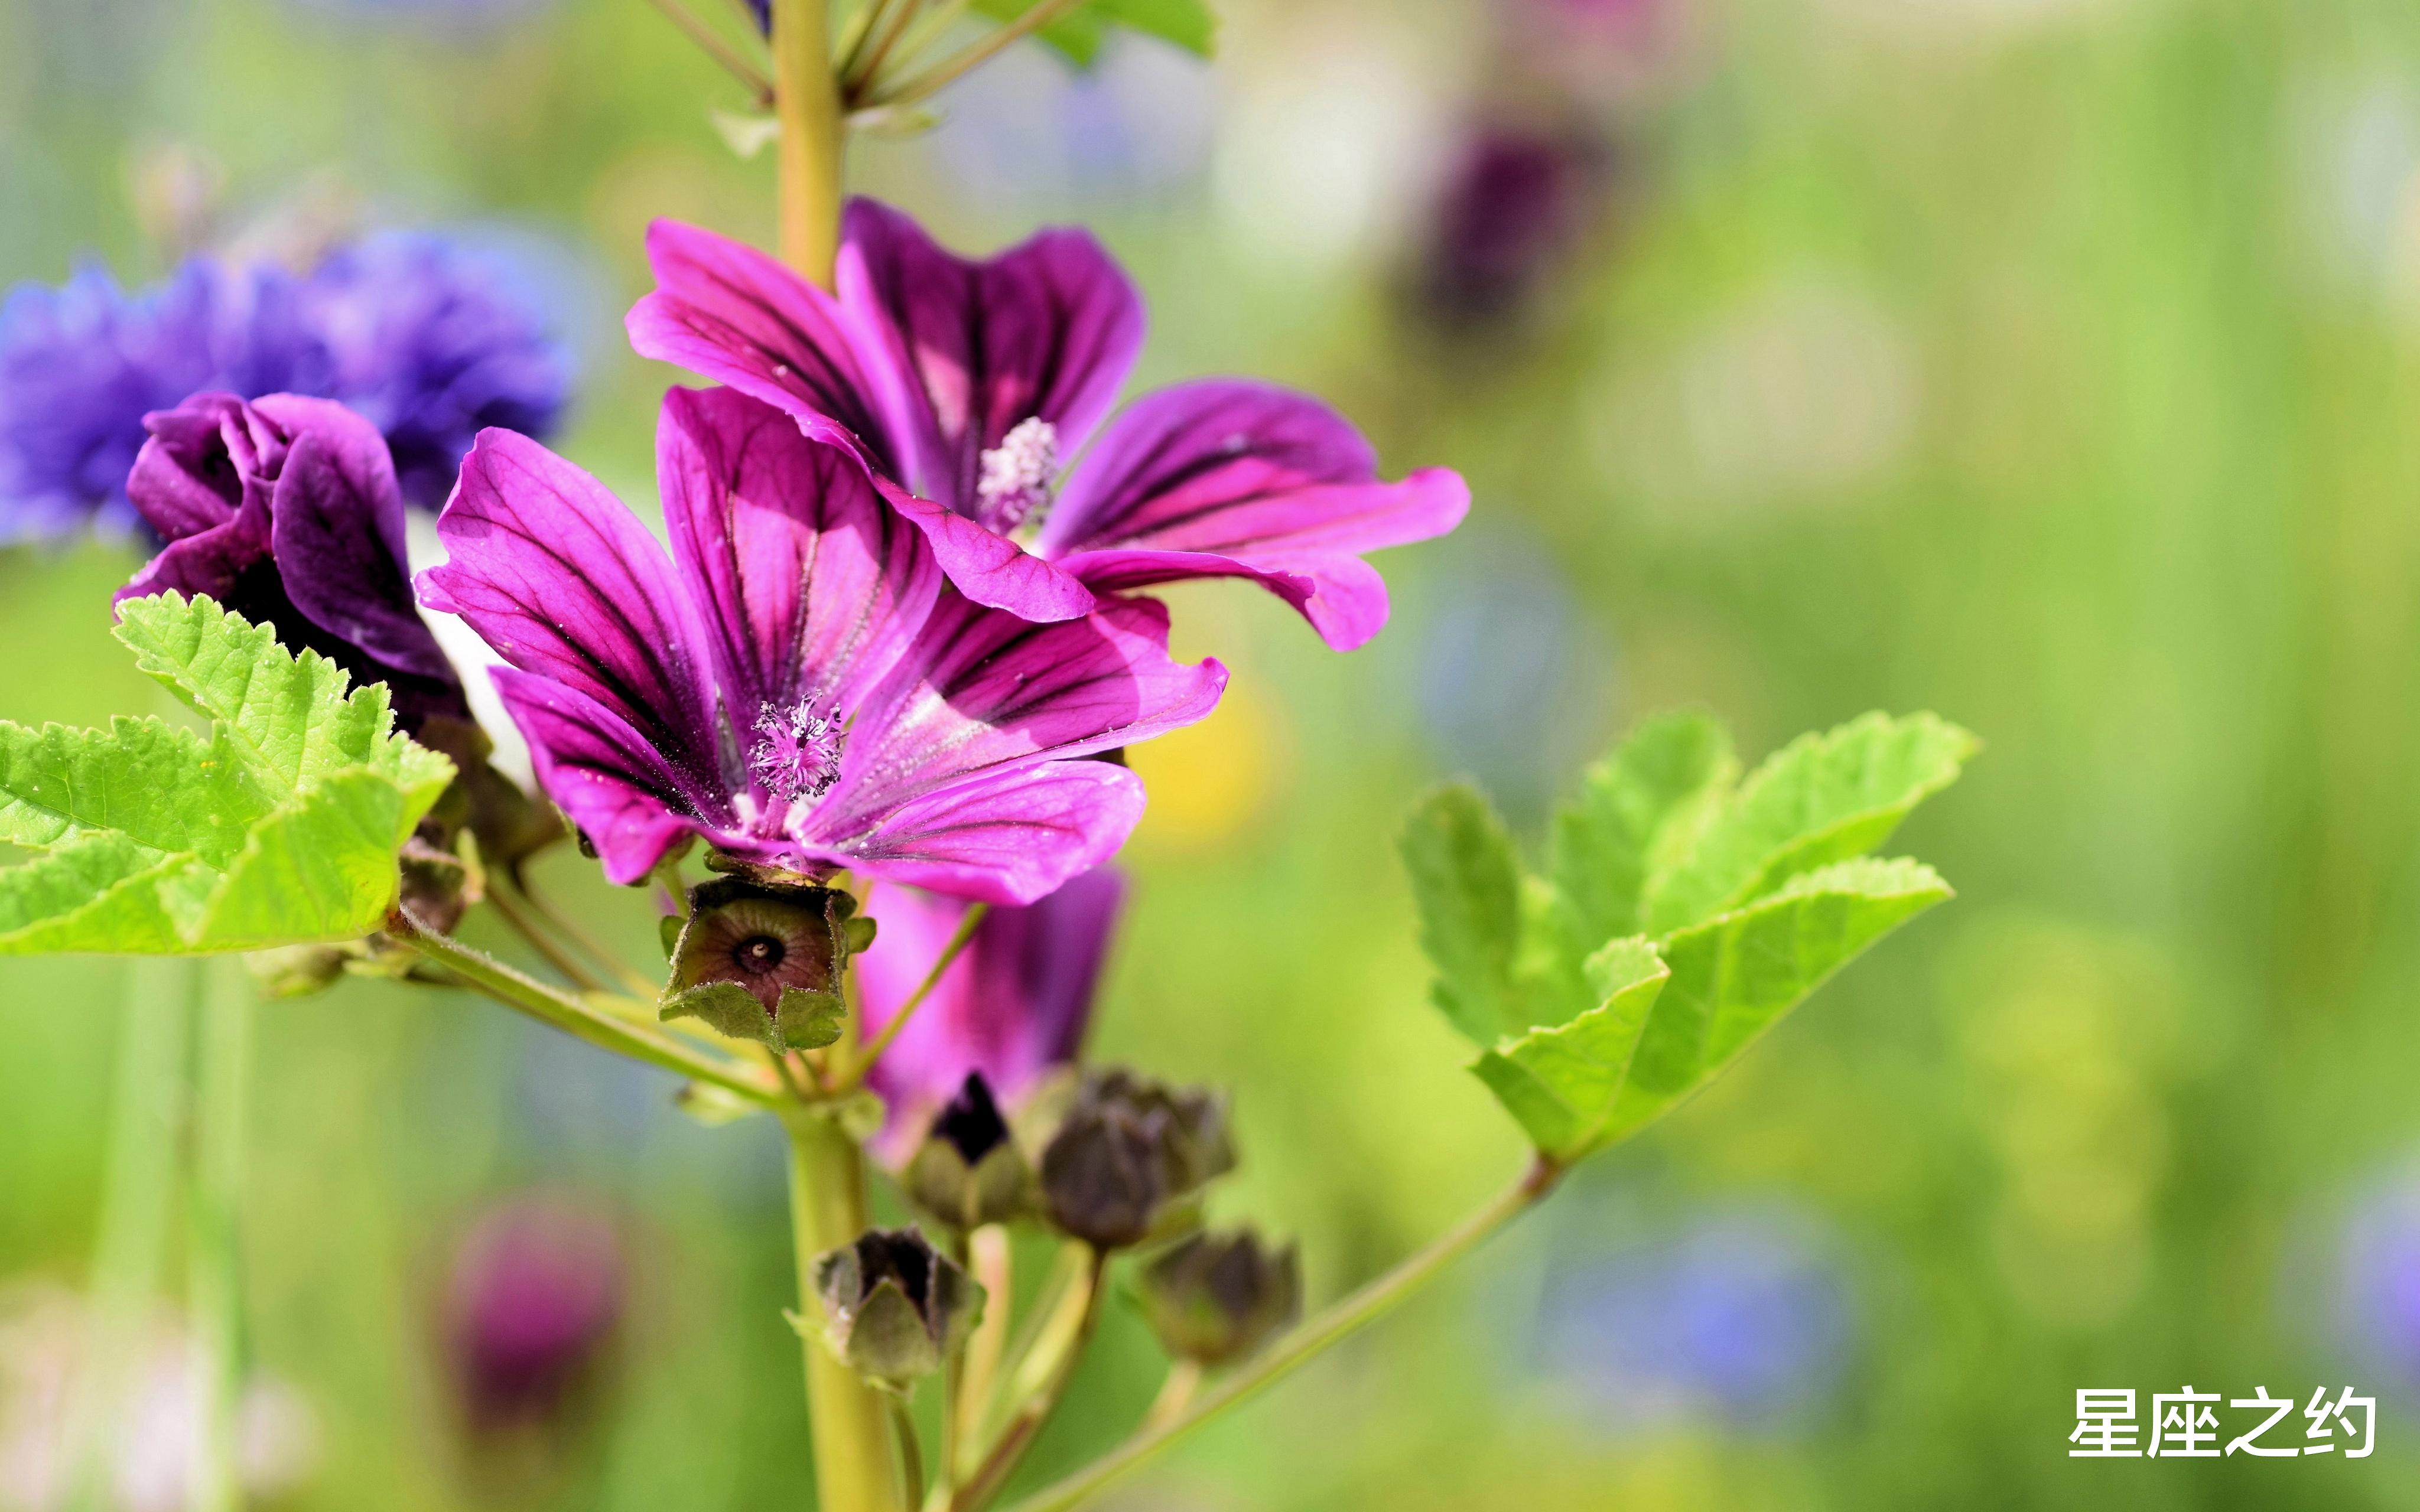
{"x":2050,"y":363}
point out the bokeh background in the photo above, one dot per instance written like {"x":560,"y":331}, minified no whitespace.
{"x":2051,"y":363}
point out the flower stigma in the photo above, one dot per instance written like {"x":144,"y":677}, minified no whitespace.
{"x":1019,"y":476}
{"x":798,"y":751}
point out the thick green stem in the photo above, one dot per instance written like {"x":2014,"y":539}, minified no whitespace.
{"x":1334,"y":1323}
{"x":146,"y":1119}
{"x":222,"y":1079}
{"x":806,"y":101}
{"x":855,"y":1443}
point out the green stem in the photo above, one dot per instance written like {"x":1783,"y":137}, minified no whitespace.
{"x":147,"y":1115}
{"x":214,"y":1255}
{"x":510,"y":988}
{"x":806,"y":100}
{"x":710,"y":43}
{"x":966,"y":58}
{"x":501,"y":898}
{"x":1035,"y":1410}
{"x":571,"y":930}
{"x":1334,"y":1323}
{"x":966,"y":933}
{"x":911,"y":1454}
{"x":863,"y":68}
{"x":853,"y":1432}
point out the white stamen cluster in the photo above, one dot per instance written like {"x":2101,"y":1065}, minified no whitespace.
{"x":1019,"y":476}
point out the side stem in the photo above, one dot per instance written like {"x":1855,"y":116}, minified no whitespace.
{"x":854,"y":1441}
{"x":221,"y":1085}
{"x":806,"y":101}
{"x":1334,"y":1323}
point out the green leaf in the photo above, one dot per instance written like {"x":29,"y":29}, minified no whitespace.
{"x":1636,"y":811}
{"x":1819,"y":799}
{"x":1080,"y":33}
{"x":1734,"y":976}
{"x":1467,"y":883}
{"x":280,"y":826}
{"x":1561,"y":1084}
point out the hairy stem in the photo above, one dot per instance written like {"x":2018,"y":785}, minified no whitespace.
{"x":213,"y":1259}
{"x":500,"y":981}
{"x":1332,"y":1324}
{"x":966,"y":933}
{"x":853,"y":1431}
{"x":806,"y":100}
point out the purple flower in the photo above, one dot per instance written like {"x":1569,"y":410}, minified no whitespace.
{"x":796,"y":686}
{"x":2378,"y":1282}
{"x":1012,"y":1005}
{"x":531,"y":1304}
{"x":973,"y":383}
{"x":427,"y":338}
{"x":82,"y":364}
{"x":1514,"y":204}
{"x":285,"y":510}
{"x":422,"y":336}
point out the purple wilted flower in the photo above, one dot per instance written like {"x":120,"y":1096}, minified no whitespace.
{"x":531,"y":1304}
{"x":1740,"y":1317}
{"x":82,"y":364}
{"x":427,"y":338}
{"x":1012,"y":1005}
{"x":974,"y":383}
{"x":285,"y":510}
{"x":796,"y":686}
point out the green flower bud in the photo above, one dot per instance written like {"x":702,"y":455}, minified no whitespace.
{"x":1129,"y":1156}
{"x":764,"y":963}
{"x":894,"y":1307}
{"x":1215,"y":1298}
{"x":968,"y":1172}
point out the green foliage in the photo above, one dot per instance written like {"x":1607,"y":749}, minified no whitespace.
{"x":1080,"y":33}
{"x":1683,"y":913}
{"x":279,"y":827}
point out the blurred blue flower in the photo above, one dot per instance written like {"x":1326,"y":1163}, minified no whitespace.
{"x":1741,"y":1317}
{"x":427,"y":337}
{"x":2378,"y":1276}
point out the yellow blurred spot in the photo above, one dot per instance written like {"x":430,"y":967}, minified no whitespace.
{"x":1209,"y":782}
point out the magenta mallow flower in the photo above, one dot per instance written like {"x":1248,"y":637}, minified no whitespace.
{"x":531,"y":1304}
{"x":797,"y":684}
{"x":286,"y":510}
{"x":1012,"y":1005}
{"x":974,"y":384}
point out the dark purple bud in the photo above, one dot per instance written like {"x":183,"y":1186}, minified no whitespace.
{"x":284,"y":511}
{"x":968,"y":1172}
{"x":1129,"y":1155}
{"x":1215,"y":1298}
{"x":1514,"y":204}
{"x":536,"y":1292}
{"x":894,"y":1307}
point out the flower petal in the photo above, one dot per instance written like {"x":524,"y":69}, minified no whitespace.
{"x":993,"y":570}
{"x":337,"y":530}
{"x":1244,"y":475}
{"x":1049,"y":328}
{"x":1009,"y":836}
{"x":725,"y":310}
{"x":631,"y":803}
{"x":984,"y":690}
{"x":811,"y":585}
{"x":565,"y":582}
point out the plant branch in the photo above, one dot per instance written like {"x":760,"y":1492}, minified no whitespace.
{"x":966,"y":933}
{"x":862,"y":68}
{"x":855,"y":1470}
{"x":911,"y":1454}
{"x":917,"y":86}
{"x":1175,"y":1394}
{"x":514,"y":990}
{"x":991,"y":1257}
{"x":213,"y":1258}
{"x":712,"y":43}
{"x":1335,"y":1322}
{"x":1035,"y":1410}
{"x":806,"y":98}
{"x":572,"y":932}
{"x":537,"y":939}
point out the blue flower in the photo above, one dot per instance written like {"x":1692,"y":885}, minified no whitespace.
{"x":1740,"y":1318}
{"x":427,"y":338}
{"x":2378,"y":1283}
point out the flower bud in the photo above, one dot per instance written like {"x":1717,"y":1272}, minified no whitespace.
{"x":532,"y":1305}
{"x":968,"y":1172}
{"x":1215,"y":1298}
{"x":1129,"y":1154}
{"x":764,"y":963}
{"x":894,"y":1307}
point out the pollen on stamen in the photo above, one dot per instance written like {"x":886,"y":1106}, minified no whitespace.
{"x":1019,"y":476}
{"x":798,"y":751}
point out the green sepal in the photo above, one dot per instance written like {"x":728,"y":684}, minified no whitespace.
{"x":805,"y":1020}
{"x":668,"y":930}
{"x":856,"y":934}
{"x":726,"y":1008}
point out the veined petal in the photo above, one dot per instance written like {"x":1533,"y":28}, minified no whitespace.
{"x":725,"y":310}
{"x":565,"y":582}
{"x":1246,"y":475}
{"x":811,"y":585}
{"x":983,"y":690}
{"x":1048,"y":328}
{"x":993,"y":570}
{"x":336,"y":530}
{"x":629,"y":802}
{"x":1007,"y":836}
